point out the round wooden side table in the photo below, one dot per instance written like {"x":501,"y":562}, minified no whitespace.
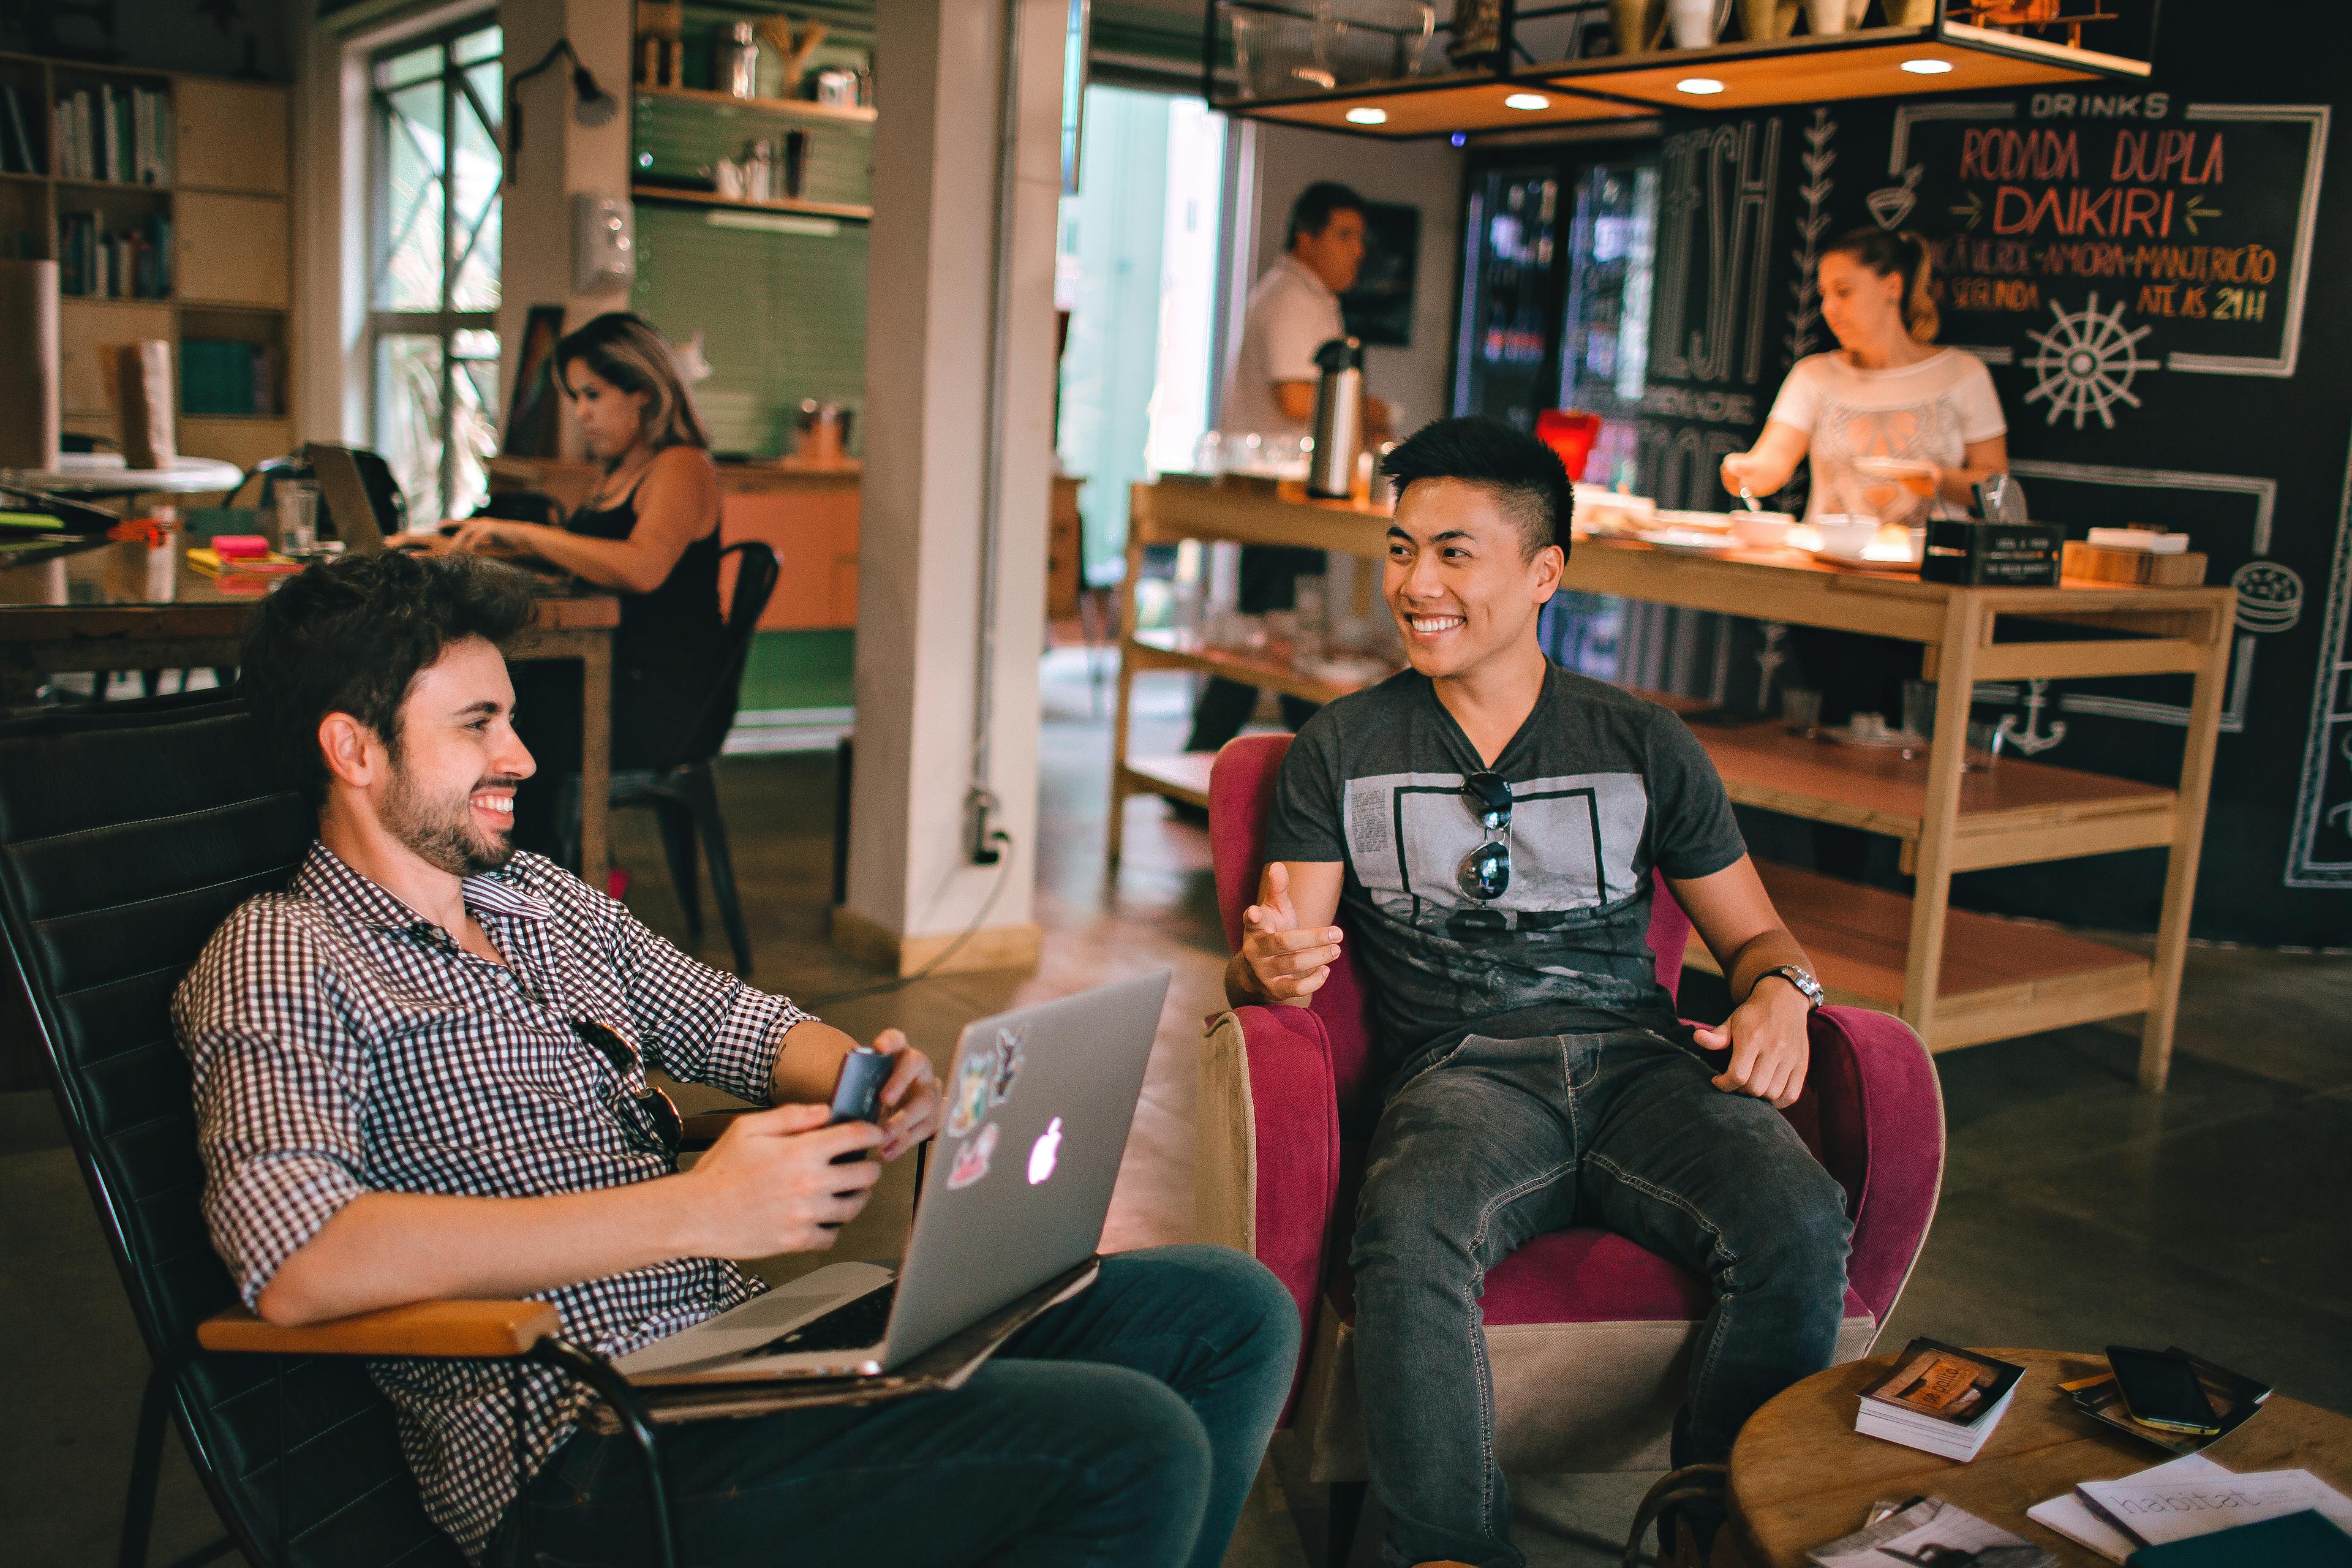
{"x":1802,"y":1476}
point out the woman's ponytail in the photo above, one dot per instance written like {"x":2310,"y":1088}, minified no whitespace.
{"x":1906,"y":256}
{"x":1919,"y":313}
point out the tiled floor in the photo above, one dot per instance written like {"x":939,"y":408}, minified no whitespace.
{"x":2076,"y":1210}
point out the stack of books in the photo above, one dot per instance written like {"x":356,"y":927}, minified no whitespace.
{"x":98,"y":262}
{"x":119,"y":134}
{"x":2192,"y":1499}
{"x":1940,"y":1399}
{"x":227,"y":376}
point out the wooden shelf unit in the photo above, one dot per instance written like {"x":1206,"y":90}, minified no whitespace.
{"x":1743,"y":74}
{"x":846,"y":212}
{"x":231,"y":241}
{"x":1958,"y":977}
{"x":783,"y":108}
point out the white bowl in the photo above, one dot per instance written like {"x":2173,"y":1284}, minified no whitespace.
{"x":1717,"y":521}
{"x":1761,"y":530}
{"x":1845,"y":533}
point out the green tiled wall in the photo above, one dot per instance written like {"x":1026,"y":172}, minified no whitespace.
{"x":800,"y":669}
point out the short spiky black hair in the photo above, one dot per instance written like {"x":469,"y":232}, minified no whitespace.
{"x":1311,"y":212}
{"x":349,"y":636}
{"x":1523,"y":474}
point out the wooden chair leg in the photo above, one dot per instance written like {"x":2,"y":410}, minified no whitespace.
{"x":1342,"y":1514}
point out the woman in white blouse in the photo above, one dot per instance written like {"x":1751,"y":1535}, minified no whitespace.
{"x":1893,"y":426}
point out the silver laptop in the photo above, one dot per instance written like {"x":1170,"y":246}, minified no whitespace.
{"x":346,"y":497}
{"x":1038,"y":1105}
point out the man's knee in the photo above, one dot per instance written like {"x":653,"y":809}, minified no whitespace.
{"x":1795,"y":1237}
{"x":1140,"y":1446}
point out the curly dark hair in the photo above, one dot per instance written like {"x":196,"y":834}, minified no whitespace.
{"x":1519,"y":471}
{"x":349,"y":637}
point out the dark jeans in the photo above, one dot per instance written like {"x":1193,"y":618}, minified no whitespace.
{"x":1124,"y":1427}
{"x":1502,"y":1140}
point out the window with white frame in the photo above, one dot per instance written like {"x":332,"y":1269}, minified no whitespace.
{"x":435,"y":167}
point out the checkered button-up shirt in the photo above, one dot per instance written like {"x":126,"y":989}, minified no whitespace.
{"x":342,"y":1044}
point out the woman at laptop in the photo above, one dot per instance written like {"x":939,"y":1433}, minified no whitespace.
{"x":650,"y":530}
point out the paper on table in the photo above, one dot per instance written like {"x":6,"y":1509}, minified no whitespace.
{"x":2072,"y":1518}
{"x":1930,"y":1531}
{"x":2166,"y":1510}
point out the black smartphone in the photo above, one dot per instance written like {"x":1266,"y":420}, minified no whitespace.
{"x":2162,"y":1391}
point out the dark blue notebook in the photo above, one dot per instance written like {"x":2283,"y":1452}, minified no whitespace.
{"x":2299,"y":1541}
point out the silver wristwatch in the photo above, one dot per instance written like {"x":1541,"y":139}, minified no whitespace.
{"x":1797,"y":977}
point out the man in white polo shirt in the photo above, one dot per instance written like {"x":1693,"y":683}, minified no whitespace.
{"x":1270,"y":391}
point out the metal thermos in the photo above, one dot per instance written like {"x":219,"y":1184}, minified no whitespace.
{"x":1338,"y":419}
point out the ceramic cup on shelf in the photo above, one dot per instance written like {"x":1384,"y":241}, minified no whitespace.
{"x":1636,"y":25}
{"x":1696,"y":24}
{"x":1762,"y":20}
{"x":1827,"y":17}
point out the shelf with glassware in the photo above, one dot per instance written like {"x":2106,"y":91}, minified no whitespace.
{"x":162,"y":197}
{"x":1392,"y":69}
{"x":693,"y":147}
{"x":1959,"y":978}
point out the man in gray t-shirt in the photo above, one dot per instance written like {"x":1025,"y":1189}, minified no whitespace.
{"x":1605,"y":788}
{"x":1489,"y":827}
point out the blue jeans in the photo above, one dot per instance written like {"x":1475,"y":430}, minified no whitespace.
{"x":1124,"y":1427}
{"x":1499,"y":1140}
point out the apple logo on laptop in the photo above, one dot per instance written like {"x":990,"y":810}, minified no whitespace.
{"x":1043,"y":1153}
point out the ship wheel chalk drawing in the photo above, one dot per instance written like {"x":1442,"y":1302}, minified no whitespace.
{"x":2085,"y":363}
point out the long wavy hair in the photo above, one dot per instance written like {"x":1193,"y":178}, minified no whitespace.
{"x":623,"y":349}
{"x":1901,"y":254}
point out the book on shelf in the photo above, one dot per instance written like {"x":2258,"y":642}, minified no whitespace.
{"x":228,"y":378}
{"x":96,"y":262}
{"x":1939,"y":1398}
{"x":117,"y":134}
{"x":16,"y":154}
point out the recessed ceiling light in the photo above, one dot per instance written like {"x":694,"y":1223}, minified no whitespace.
{"x":1701,"y":86}
{"x":1928,"y":67}
{"x":1527,"y":100}
{"x":1367,"y":117}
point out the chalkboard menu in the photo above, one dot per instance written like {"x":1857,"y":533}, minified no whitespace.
{"x":2138,"y":266}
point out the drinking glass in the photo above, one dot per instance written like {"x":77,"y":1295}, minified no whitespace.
{"x":298,"y":517}
{"x":1919,"y":708}
{"x":1800,"y":710}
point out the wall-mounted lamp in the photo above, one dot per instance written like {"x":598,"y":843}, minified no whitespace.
{"x":591,"y":105}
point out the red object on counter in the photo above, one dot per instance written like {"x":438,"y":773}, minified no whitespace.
{"x":239,"y":546}
{"x":1571,"y":434}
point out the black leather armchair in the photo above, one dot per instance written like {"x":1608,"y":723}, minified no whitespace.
{"x":126,"y":835}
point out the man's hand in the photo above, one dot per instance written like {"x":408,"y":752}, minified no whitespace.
{"x":770,"y":1185}
{"x":912,"y":1097}
{"x":1284,"y":964}
{"x":1768,"y":1041}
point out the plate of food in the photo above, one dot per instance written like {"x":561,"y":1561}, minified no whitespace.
{"x":1688,"y":541}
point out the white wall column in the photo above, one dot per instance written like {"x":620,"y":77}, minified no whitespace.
{"x":560,"y":156}
{"x":931,"y":298}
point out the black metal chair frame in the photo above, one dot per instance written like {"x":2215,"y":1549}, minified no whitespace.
{"x":138,"y":1224}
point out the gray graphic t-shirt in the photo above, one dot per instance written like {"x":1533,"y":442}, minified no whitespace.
{"x":1605,"y":786}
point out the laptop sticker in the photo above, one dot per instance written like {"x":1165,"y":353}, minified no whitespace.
{"x":970,"y":1106}
{"x":971,"y":1159}
{"x":1009,"y":1061}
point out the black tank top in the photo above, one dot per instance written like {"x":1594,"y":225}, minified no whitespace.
{"x":669,"y":647}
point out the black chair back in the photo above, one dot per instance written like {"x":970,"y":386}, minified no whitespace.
{"x":125,"y":838}
{"x":756,"y":571}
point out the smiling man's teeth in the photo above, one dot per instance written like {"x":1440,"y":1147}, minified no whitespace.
{"x":502,"y":804}
{"x":1430,"y":624}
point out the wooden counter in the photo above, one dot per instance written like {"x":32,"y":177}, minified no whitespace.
{"x":1959,"y":978}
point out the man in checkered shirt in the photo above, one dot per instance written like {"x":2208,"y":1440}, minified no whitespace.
{"x":420,"y":1073}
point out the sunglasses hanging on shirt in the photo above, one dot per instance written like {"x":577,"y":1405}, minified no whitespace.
{"x":652,"y":1121}
{"x":1485,"y":873}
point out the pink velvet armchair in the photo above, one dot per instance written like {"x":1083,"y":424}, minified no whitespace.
{"x":1588,"y":1334}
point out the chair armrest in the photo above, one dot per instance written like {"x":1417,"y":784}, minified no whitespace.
{"x":1268,"y":1170}
{"x":487,"y":1330}
{"x":1880,"y":1111}
{"x":703,"y":1128}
